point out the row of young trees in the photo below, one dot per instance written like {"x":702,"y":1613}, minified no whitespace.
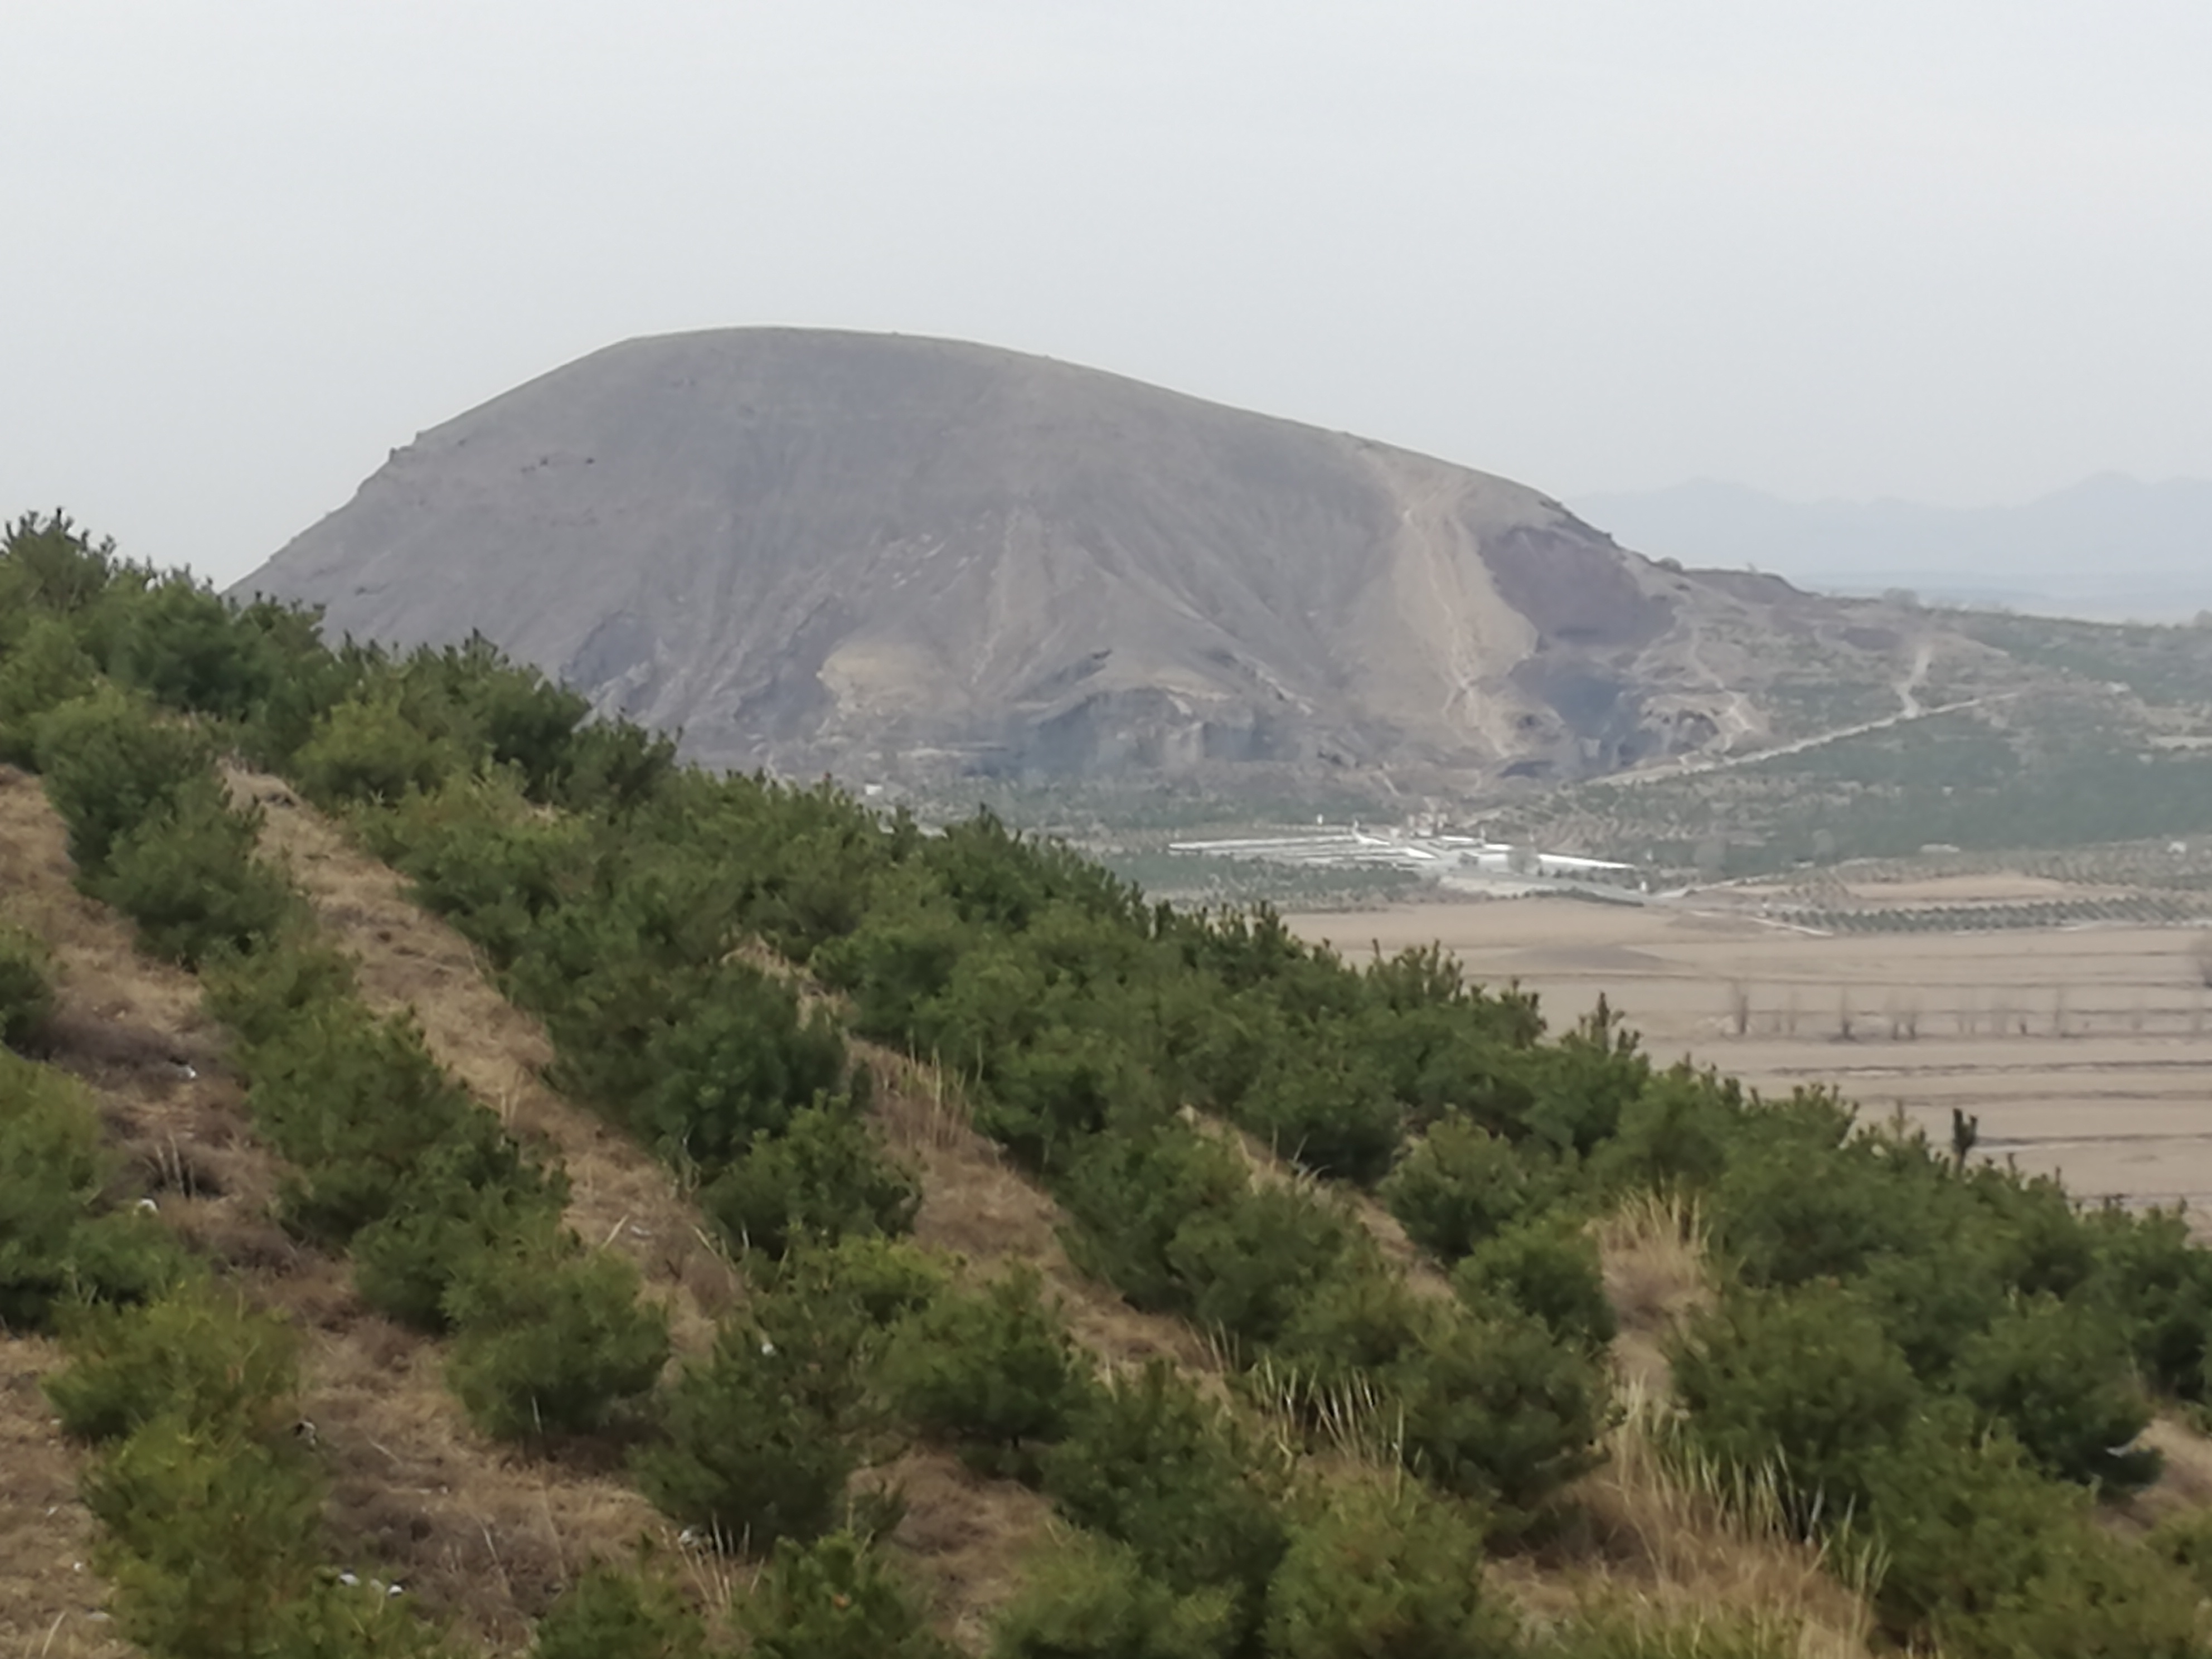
{"x":185,"y":1398}
{"x":1943,"y":1366}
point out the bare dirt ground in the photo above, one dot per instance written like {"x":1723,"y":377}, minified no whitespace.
{"x":2084,"y":1051}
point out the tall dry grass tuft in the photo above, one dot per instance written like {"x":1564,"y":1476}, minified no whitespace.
{"x":1680,"y":1537}
{"x":1652,"y":1251}
{"x":1348,"y":1423}
{"x":1675,"y":1538}
{"x":919,"y":1106}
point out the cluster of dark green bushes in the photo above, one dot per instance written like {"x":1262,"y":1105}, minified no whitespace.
{"x":209,"y":1507}
{"x":1939,"y":1365}
{"x":70,"y":1233}
{"x":27,"y":990}
{"x":452,"y":1226}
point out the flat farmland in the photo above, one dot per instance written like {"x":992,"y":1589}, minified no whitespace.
{"x":2085,"y":1051}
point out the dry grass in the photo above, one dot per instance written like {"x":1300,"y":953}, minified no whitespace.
{"x":1673,"y":1539}
{"x":477,"y":1533}
{"x":1651,"y":1249}
{"x":523,"y":1529}
{"x":962,"y":1540}
{"x":978,"y":1209}
{"x":49,"y":1599}
{"x":621,"y":1197}
{"x":1666,"y":1539}
{"x":2184,"y":1485}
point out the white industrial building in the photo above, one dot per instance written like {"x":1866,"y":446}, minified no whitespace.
{"x":1443,"y":857}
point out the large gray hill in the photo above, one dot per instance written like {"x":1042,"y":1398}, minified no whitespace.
{"x":884,"y":555}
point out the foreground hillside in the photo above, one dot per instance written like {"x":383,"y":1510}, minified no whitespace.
{"x":1304,"y":1310}
{"x":898,"y":557}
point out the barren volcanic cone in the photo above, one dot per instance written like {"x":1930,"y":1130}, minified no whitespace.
{"x":877,"y":555}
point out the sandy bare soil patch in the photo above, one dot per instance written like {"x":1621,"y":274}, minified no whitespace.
{"x":2085,"y":1051}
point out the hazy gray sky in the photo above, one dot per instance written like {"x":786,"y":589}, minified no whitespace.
{"x":1957,"y":250}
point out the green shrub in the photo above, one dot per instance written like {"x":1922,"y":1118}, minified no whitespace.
{"x":1497,"y":1408}
{"x":612,"y":1615}
{"x":111,"y":763}
{"x":198,"y":1355}
{"x":362,"y":1620}
{"x":1607,"y":1633}
{"x":2104,"y":1599}
{"x":405,"y":1263}
{"x":550,"y":1342}
{"x":1676,"y":1132}
{"x":826,"y":1178}
{"x":884,"y":1279}
{"x":56,"y":1243}
{"x":210,"y":1539}
{"x":749,"y":1450}
{"x":26,"y":992}
{"x":310,"y":680}
{"x":1246,"y":1266}
{"x":188,"y":877}
{"x":2185,"y":1541}
{"x":480,"y":853}
{"x":284,"y":981}
{"x":1050,"y":1096}
{"x":48,"y":562}
{"x":2159,"y":1281}
{"x":2057,"y":1376}
{"x":1933,"y":1306}
{"x":1580,"y":1086}
{"x":1149,"y":1464}
{"x":1458,"y":1185}
{"x":359,"y":1104}
{"x":994,"y":1369}
{"x":186,"y":648}
{"x":612,"y":765}
{"x":1805,"y":1383}
{"x":1353,"y":1325}
{"x":523,"y":720}
{"x":1547,"y":1268}
{"x":1129,"y":1194}
{"x":834,"y":1599}
{"x":734,"y":1070}
{"x":1379,"y":1572}
{"x":367,"y":750}
{"x":1334,"y":1119}
{"x":1989,"y":1559}
{"x":45,"y":668}
{"x":1087,"y":1598}
{"x":1791,"y":1209}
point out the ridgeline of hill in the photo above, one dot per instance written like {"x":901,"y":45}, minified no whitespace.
{"x":1302,"y":1312}
{"x":890,"y":557}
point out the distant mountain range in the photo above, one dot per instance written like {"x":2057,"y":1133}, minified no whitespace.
{"x":2112,"y":547}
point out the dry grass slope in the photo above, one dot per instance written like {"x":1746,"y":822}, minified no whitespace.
{"x":50,"y":1598}
{"x":474,"y":1531}
{"x":622,"y":1197}
{"x":962,"y":1536}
